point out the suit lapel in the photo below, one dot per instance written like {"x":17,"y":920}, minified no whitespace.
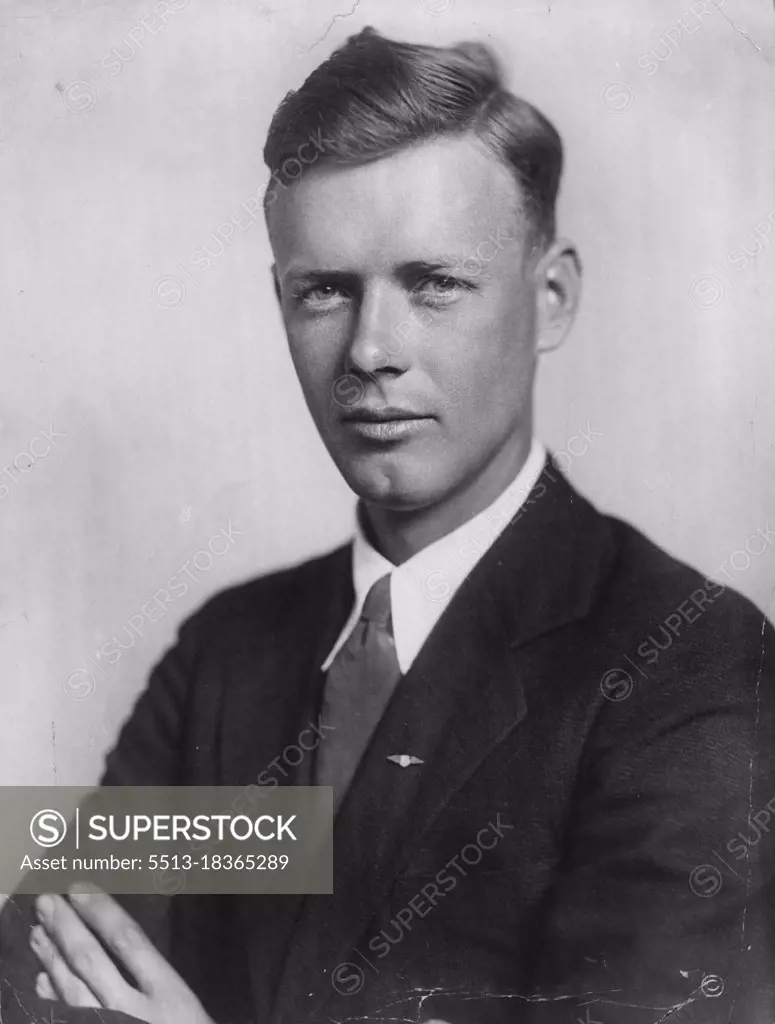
{"x":273,"y":692}
{"x":462,"y":697}
{"x":273,"y":687}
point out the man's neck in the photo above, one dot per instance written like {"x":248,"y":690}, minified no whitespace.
{"x":400,"y":534}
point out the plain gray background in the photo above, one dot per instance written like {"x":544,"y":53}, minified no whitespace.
{"x":126,"y":146}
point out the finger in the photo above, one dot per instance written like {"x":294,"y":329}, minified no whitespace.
{"x":44,"y":987}
{"x":122,"y":936}
{"x":64,"y":983}
{"x":80,"y":950}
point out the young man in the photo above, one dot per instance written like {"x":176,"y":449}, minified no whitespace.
{"x":543,"y":733}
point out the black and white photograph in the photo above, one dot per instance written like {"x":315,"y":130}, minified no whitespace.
{"x":387,"y":437}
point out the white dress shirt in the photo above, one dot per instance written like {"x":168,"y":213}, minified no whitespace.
{"x":421,"y":587}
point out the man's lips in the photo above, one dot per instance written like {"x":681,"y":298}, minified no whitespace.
{"x":386,"y":423}
{"x":382,"y":414}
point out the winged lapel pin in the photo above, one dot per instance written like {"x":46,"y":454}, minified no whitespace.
{"x":404,"y":760}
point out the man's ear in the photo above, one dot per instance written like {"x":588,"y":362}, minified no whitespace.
{"x":558,"y":291}
{"x":276,"y":282}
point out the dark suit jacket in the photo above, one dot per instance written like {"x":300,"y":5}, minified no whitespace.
{"x":597,"y":730}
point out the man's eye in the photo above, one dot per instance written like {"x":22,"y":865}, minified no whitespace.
{"x":440,"y":288}
{"x":321,"y":296}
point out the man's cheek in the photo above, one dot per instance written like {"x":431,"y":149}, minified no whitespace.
{"x":315,"y":360}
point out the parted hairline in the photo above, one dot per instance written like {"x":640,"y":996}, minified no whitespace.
{"x":375,"y":96}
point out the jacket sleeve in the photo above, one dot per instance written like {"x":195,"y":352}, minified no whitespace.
{"x":147,"y":753}
{"x":664,"y":906}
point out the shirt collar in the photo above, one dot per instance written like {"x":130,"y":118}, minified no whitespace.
{"x":422,"y":587}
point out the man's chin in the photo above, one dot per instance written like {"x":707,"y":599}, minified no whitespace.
{"x":390,"y":485}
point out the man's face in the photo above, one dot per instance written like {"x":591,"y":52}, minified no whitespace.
{"x":407,"y":293}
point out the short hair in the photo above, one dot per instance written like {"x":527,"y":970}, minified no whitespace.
{"x":374,"y":96}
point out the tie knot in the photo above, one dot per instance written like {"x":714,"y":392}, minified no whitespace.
{"x":376,"y":607}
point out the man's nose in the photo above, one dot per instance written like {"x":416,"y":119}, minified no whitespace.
{"x":376,"y":344}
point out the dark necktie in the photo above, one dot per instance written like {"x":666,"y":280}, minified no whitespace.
{"x":359,"y":685}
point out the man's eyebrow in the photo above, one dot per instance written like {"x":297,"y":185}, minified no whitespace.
{"x":307,"y":275}
{"x":440,"y":261}
{"x":449,"y":262}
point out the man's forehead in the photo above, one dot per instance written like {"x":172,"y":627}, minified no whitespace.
{"x":435,"y":201}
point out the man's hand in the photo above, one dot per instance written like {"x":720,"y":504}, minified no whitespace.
{"x":77,"y":969}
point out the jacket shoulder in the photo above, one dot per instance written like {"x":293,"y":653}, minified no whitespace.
{"x":650,"y":587}
{"x":265,"y":599}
